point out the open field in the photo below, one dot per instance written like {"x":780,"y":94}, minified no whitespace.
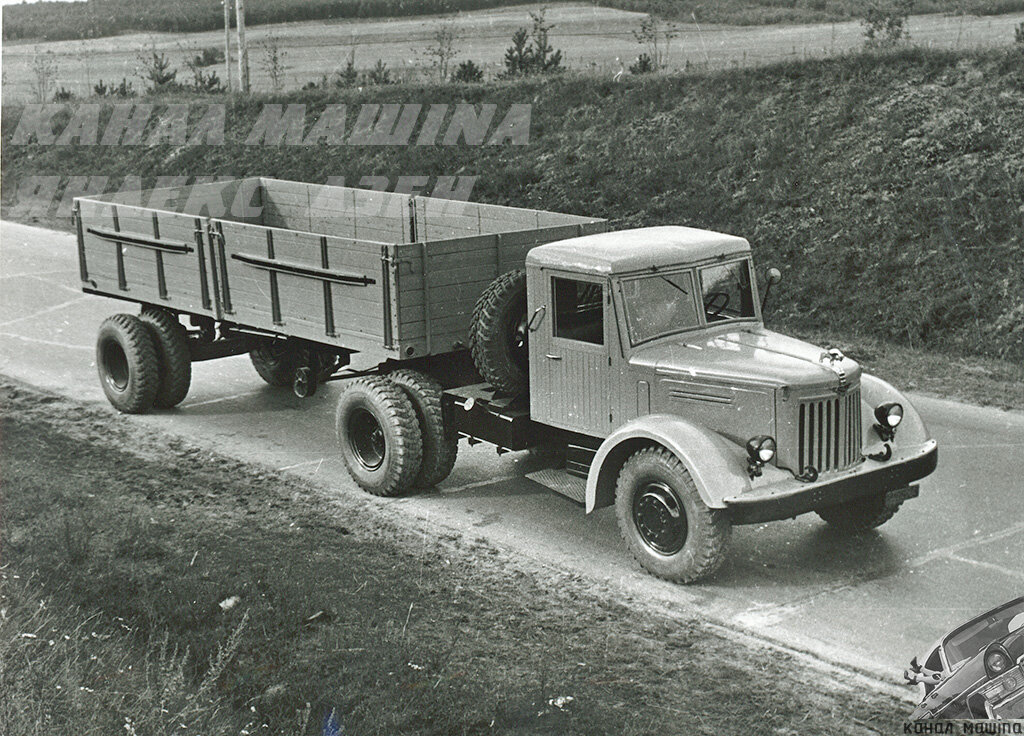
{"x":171,"y":585}
{"x":56,"y":21}
{"x":594,"y":39}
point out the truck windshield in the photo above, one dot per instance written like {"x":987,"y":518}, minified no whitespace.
{"x":971,"y":639}
{"x":659,"y":305}
{"x":726,"y":291}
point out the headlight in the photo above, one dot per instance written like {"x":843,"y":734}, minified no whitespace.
{"x":889,"y":414}
{"x":997,"y":661}
{"x":761,"y":449}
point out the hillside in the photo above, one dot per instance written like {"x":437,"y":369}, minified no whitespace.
{"x":53,"y":21}
{"x":888,"y":189}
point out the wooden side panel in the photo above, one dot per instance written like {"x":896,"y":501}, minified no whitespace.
{"x":339,"y":211}
{"x":438,"y":219}
{"x":439,"y":283}
{"x":305,"y":285}
{"x":239,"y":200}
{"x":145,"y":255}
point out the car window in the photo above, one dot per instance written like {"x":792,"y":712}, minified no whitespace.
{"x":579,"y":310}
{"x":659,"y":305}
{"x":934,"y":661}
{"x":726,"y":291}
{"x":967,"y":641}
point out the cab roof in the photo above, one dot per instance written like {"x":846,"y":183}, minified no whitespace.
{"x":624,"y":251}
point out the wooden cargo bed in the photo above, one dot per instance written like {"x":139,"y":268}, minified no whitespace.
{"x":393,"y":275}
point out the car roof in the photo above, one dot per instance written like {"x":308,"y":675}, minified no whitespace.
{"x":624,"y":251}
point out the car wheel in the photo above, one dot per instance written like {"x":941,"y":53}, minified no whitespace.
{"x":440,"y":442}
{"x":665,"y":524}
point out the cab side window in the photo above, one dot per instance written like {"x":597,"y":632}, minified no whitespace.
{"x":579,"y":310}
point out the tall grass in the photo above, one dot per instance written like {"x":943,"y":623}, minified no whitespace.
{"x":61,"y":666}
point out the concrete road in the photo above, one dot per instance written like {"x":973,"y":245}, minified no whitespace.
{"x":870,"y":603}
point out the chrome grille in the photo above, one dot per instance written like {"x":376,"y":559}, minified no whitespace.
{"x":830,"y":433}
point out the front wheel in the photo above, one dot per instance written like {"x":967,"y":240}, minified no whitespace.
{"x":859,"y":515}
{"x":665,"y":524}
{"x":379,"y":436}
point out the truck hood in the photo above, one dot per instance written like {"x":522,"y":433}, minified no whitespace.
{"x":748,"y":355}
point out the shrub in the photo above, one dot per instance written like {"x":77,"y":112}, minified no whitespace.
{"x":157,"y":70}
{"x":643,"y":65}
{"x":530,"y":52}
{"x":124,"y":89}
{"x":467,"y":71}
{"x":63,"y":95}
{"x":347,"y":77}
{"x":885,"y":22}
{"x":1018,"y":33}
{"x":380,"y":74}
{"x":208,"y":56}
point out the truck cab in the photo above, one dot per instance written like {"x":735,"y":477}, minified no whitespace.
{"x":650,"y":343}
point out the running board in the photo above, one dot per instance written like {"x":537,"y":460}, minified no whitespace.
{"x":561,"y":482}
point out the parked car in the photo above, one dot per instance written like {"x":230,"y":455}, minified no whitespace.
{"x":976,"y":670}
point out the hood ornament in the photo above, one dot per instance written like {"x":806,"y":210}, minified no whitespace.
{"x":834,"y":356}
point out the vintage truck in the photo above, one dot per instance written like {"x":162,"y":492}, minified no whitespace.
{"x":635,"y":362}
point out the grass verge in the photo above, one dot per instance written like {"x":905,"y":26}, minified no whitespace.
{"x":148,"y":584}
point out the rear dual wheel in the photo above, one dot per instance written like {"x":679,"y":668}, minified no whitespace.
{"x":393,"y":433}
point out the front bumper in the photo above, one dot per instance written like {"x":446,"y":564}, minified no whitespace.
{"x":789,"y":498}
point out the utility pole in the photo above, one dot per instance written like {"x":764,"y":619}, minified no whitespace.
{"x":227,"y":44}
{"x":243,"y":52}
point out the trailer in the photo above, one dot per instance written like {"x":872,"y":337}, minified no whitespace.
{"x":635,"y":362}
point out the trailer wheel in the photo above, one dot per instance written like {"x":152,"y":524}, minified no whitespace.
{"x":379,"y":435}
{"x":498,"y":333}
{"x":859,"y":515}
{"x":173,"y":356}
{"x":276,"y":362}
{"x":665,"y":524}
{"x":126,"y":359}
{"x":440,"y":441}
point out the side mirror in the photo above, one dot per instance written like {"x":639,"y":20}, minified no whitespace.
{"x":773,"y":277}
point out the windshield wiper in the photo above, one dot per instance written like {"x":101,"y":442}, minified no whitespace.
{"x":667,"y":280}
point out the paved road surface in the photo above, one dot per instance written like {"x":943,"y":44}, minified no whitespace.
{"x":870,"y":603}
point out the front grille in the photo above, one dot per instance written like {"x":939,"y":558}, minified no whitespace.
{"x":830,"y":433}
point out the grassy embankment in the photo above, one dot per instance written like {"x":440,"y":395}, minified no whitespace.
{"x":54,"y":21}
{"x":148,"y":584}
{"x":888,"y":188}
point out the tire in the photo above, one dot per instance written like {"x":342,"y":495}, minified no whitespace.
{"x":173,"y":356}
{"x":379,"y":435}
{"x":498,"y":334}
{"x":859,"y":515}
{"x":276,"y":362}
{"x":651,"y":484}
{"x":126,"y":359}
{"x":440,"y":441}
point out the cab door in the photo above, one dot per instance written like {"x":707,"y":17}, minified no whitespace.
{"x":569,"y":365}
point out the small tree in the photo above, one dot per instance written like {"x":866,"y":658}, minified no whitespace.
{"x":63,"y":95}
{"x":468,"y":72}
{"x":209,"y":56}
{"x":1018,"y":33}
{"x":885,"y":22}
{"x":272,"y":60}
{"x":445,"y":39}
{"x":156,"y":69}
{"x":347,"y":77}
{"x":531,"y":52}
{"x":380,"y":74}
{"x":656,"y":36}
{"x":44,"y":69}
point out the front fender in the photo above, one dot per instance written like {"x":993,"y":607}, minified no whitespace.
{"x":717,"y":466}
{"x":875,"y":391}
